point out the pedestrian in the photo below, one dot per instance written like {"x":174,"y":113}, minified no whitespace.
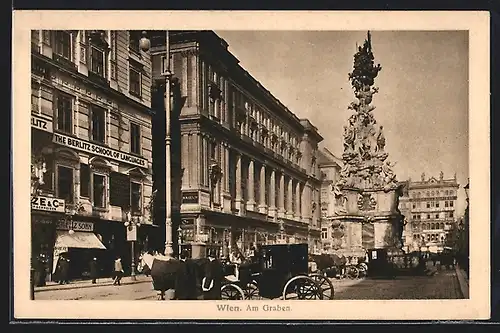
{"x":94,"y":270}
{"x":185,"y":279}
{"x":64,"y":270}
{"x":212,"y":282}
{"x":118,"y":271}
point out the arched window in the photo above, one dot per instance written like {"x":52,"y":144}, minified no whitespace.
{"x":441,"y":225}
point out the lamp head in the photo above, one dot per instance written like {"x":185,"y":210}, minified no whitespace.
{"x":144,"y":42}
{"x":126,"y":224}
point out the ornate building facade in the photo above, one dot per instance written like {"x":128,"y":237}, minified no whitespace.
{"x":330,"y":167}
{"x":249,"y":171}
{"x":429,"y":206}
{"x":91,"y":147}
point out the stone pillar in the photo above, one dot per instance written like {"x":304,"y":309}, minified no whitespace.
{"x":198,"y":247}
{"x":306,"y":204}
{"x":262,"y":192}
{"x":272,"y":192}
{"x":289,"y":205}
{"x":298,"y":208}
{"x":251,"y":184}
{"x":281,"y":202}
{"x":238,"y":201}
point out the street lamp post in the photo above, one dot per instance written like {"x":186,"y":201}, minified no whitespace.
{"x":132,"y":224}
{"x":145,"y":45}
{"x":38,"y":168}
{"x":179,"y":240}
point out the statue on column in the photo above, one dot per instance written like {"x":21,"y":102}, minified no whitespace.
{"x":364,"y":144}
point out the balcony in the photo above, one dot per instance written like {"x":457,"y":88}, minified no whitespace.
{"x":97,"y":78}
{"x":64,"y":62}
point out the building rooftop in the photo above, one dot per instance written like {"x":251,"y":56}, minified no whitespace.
{"x":210,"y":37}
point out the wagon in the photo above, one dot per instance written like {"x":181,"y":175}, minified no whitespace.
{"x":278,"y":271}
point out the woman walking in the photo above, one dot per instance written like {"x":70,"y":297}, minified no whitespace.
{"x":118,"y":271}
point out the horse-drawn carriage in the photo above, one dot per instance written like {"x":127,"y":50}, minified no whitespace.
{"x":279,"y":271}
{"x":276,"y":271}
{"x":331,"y":265}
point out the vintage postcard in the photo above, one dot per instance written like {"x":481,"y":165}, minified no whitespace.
{"x":251,"y":165}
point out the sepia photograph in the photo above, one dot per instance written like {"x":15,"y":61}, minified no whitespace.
{"x":229,"y":162}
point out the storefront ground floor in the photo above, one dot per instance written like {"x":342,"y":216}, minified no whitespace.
{"x":231,"y":233}
{"x":79,"y":240}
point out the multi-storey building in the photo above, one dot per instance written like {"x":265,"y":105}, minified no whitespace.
{"x":329,"y":166}
{"x":429,"y":206}
{"x":91,"y":146}
{"x":249,"y":165}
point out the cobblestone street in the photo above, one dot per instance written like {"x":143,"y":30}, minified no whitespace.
{"x":442,"y":285}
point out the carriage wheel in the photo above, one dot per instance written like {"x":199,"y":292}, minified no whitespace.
{"x":324,"y":284}
{"x":231,"y":292}
{"x":352,"y":272}
{"x":251,"y":291}
{"x":301,"y":287}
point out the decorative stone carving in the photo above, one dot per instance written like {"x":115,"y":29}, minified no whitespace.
{"x":366,"y":202}
{"x":338,"y":235}
{"x":364,"y":155}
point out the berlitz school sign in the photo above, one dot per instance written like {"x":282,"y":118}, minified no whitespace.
{"x":41,"y":123}
{"x":89,"y":147}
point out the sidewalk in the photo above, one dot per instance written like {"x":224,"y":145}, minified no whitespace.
{"x":463,"y":281}
{"x":88,"y":283}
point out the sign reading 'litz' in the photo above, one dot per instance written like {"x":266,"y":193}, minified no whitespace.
{"x":41,"y":123}
{"x":99,"y":150}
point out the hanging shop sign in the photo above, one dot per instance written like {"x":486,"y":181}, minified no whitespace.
{"x":132,"y":233}
{"x":75,"y":225}
{"x":41,"y":123}
{"x":92,"y":148}
{"x":48,"y":204}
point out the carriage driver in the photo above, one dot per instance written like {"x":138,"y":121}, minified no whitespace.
{"x":212,"y":282}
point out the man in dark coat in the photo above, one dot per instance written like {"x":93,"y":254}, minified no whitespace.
{"x":64,"y":270}
{"x":212,"y":282}
{"x":94,"y":270}
{"x":185,"y":279}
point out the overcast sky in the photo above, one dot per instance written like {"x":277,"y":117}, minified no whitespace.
{"x":422,"y":102}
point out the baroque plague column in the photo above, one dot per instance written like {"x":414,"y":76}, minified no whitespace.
{"x":366,"y":218}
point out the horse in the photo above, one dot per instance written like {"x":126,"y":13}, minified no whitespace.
{"x":163,"y":271}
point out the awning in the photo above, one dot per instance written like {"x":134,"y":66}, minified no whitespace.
{"x":79,"y":240}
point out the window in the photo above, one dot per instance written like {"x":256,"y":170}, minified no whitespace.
{"x":64,"y":113}
{"x":428,"y":216}
{"x":135,"y":138}
{"x":450,"y":214}
{"x":414,"y":206}
{"x":133,"y":39}
{"x":451,"y":203}
{"x":437,"y":204}
{"x":65,"y":183}
{"x":135,"y":81}
{"x":428,"y":205}
{"x":446,"y":203}
{"x":96,"y":61}
{"x":84,"y":180}
{"x":98,"y":124}
{"x":437,"y":216}
{"x":324,"y":233}
{"x":99,"y":191}
{"x":63,"y":44}
{"x":135,"y":197}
